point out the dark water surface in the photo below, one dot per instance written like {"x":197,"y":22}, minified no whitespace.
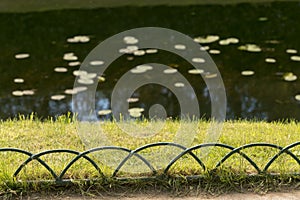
{"x":274,"y":27}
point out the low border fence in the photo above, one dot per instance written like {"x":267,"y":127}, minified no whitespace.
{"x":184,"y":151}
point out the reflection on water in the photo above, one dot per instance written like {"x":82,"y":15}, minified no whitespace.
{"x":255,"y":47}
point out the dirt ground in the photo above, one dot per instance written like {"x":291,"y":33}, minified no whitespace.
{"x":291,"y":195}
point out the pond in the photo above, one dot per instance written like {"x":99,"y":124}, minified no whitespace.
{"x":256,"y":48}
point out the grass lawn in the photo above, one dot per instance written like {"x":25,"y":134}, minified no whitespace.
{"x":35,"y":136}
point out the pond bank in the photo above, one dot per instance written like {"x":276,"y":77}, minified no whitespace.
{"x":33,"y":5}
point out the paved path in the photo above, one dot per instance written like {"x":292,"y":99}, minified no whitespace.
{"x":293,"y":195}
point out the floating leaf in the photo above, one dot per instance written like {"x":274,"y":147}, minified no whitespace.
{"x":85,"y":81}
{"x":211,"y":75}
{"x":130,"y":40}
{"x":70,"y":57}
{"x":79,"y":39}
{"x":289,"y":76}
{"x":291,"y":51}
{"x":180,"y":47}
{"x":101,"y":79}
{"x":73,"y":64}
{"x":104,"y":112}
{"x":135,"y":112}
{"x":80,"y":88}
{"x":229,"y":41}
{"x":214,"y":51}
{"x":139,"y":53}
{"x":60,"y":69}
{"x":137,"y":71}
{"x":58,"y":97}
{"x":18,"y":80}
{"x":198,"y":60}
{"x":17,"y":93}
{"x":196,"y":71}
{"x":207,"y":39}
{"x":179,"y":84}
{"x":132,"y":100}
{"x":250,"y":48}
{"x":22,"y":56}
{"x":270,"y":60}
{"x":247,"y":73}
{"x":141,"y":69}
{"x":262,"y":19}
{"x":144,"y":67}
{"x":28,"y":92}
{"x":295,"y":58}
{"x":224,"y":42}
{"x":204,"y":48}
{"x":96,"y":62}
{"x":151,"y":51}
{"x":79,"y":72}
{"x":170,"y":71}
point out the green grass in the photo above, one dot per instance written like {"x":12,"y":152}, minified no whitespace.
{"x":34,"y":135}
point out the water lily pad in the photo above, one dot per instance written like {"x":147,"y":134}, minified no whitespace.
{"x":196,"y":71}
{"x":198,"y":60}
{"x":247,"y":73}
{"x":295,"y":58}
{"x":135,"y":112}
{"x":141,"y":69}
{"x":262,"y":19}
{"x":214,"y":51}
{"x":210,"y":75}
{"x":28,"y":92}
{"x":96,"y":62}
{"x":60,"y":69}
{"x":151,"y":51}
{"x":79,"y":72}
{"x":88,"y":76}
{"x":74,"y":64}
{"x":144,"y":67}
{"x":101,"y":78}
{"x":132,"y":100}
{"x":207,"y":39}
{"x":233,"y":40}
{"x":17,"y":93}
{"x":170,"y":71}
{"x":85,"y":81}
{"x":138,"y":71}
{"x":70,"y":91}
{"x":179,"y":85}
{"x":70,"y":57}
{"x":224,"y":42}
{"x":270,"y":60}
{"x":204,"y":48}
{"x":58,"y":97}
{"x":130,"y":58}
{"x":79,"y":39}
{"x":228,"y":41}
{"x":18,"y":80}
{"x":139,"y":53}
{"x":250,"y":48}
{"x":297,"y":97}
{"x":130,"y":40}
{"x":180,"y":46}
{"x":80,"y":89}
{"x":289,"y":77}
{"x":22,"y":56}
{"x":104,"y":112}
{"x":291,"y":51}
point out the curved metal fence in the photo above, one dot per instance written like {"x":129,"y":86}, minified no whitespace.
{"x":184,"y":151}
